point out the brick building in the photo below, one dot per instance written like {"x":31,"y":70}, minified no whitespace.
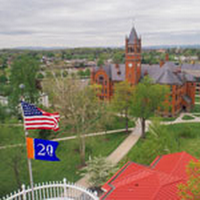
{"x":182,"y":84}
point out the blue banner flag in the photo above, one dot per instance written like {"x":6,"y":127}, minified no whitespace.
{"x":40,"y":149}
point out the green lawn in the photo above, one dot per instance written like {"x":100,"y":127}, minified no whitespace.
{"x":187,"y":117}
{"x":49,"y":171}
{"x":168,"y":119}
{"x":115,"y":122}
{"x":183,"y":137}
{"x":197,"y":99}
{"x":196,"y":108}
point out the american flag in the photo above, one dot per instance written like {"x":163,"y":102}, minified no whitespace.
{"x":35,"y":118}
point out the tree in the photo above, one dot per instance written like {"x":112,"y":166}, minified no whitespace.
{"x":14,"y":158}
{"x":147,"y":98}
{"x":191,"y":189}
{"x":79,"y":106}
{"x":99,"y":170}
{"x":159,"y":142}
{"x":24,"y":71}
{"x":122,"y":100}
{"x":118,"y":58}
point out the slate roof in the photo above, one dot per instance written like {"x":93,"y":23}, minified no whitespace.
{"x":133,"y":36}
{"x":186,"y":66}
{"x":169,"y":74}
{"x":113,"y":72}
{"x":169,"y":78}
{"x":158,"y":181}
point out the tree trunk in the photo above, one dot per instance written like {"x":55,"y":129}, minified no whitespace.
{"x":82,"y":150}
{"x":143,"y":127}
{"x":126,"y":118}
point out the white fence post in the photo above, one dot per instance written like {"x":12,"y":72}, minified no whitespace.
{"x":65,"y":187}
{"x":24,"y":192}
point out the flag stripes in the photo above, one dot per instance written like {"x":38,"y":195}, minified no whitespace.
{"x":35,"y":118}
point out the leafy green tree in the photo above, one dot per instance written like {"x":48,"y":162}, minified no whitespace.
{"x":158,"y":142}
{"x":87,"y":72}
{"x":99,"y":170}
{"x":24,"y":71}
{"x":79,"y":107}
{"x":147,"y":98}
{"x":40,"y":76}
{"x":118,"y":58}
{"x":122,"y":100}
{"x":3,"y":113}
{"x":191,"y":189}
{"x":3,"y":79}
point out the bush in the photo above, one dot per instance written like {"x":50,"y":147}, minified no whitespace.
{"x":99,"y":170}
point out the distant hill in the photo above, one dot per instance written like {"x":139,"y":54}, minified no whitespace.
{"x":38,"y":48}
{"x":196,"y":46}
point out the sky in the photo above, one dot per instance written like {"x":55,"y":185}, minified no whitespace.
{"x":96,"y":23}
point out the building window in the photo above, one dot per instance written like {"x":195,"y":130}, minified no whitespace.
{"x":130,"y":49}
{"x":176,"y":97}
{"x":101,"y":79}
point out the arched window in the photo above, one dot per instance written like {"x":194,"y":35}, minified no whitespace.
{"x":131,"y":49}
{"x":101,"y":79}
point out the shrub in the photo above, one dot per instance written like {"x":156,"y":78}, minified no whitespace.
{"x":99,"y":170}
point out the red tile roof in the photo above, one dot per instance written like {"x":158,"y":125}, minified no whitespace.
{"x":157,"y":182}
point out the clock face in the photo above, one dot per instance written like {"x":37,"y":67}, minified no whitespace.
{"x":130,"y":65}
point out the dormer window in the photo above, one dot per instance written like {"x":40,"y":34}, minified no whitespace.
{"x":119,"y":73}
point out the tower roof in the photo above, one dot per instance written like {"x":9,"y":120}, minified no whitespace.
{"x":133,"y":36}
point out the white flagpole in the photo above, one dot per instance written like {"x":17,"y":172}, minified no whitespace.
{"x":29,"y":161}
{"x":30,"y":170}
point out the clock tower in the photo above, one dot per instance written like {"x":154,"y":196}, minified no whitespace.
{"x":133,"y":58}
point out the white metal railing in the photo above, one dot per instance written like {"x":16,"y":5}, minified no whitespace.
{"x":59,"y":190}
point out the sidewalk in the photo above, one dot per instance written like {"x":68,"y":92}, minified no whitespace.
{"x":180,"y":120}
{"x":131,"y":140}
{"x":119,"y":152}
{"x":71,"y":137}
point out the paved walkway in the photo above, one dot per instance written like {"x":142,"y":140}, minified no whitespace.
{"x":120,"y":152}
{"x":71,"y":137}
{"x":131,"y":140}
{"x":180,"y":120}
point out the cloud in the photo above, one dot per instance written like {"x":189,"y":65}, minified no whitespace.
{"x":73,"y":23}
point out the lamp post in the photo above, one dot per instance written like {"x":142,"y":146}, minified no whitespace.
{"x":22,"y":86}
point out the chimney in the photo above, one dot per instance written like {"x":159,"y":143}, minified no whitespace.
{"x":162,"y":63}
{"x":166,"y":57}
